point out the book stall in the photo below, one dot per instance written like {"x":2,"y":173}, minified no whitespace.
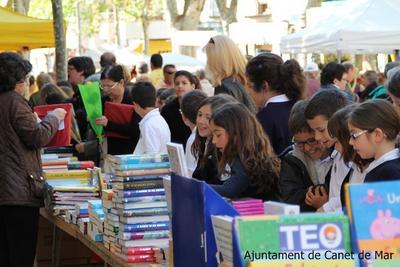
{"x":144,"y":211}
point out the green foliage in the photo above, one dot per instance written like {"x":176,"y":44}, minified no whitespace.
{"x":94,"y":11}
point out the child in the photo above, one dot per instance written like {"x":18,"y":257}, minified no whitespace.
{"x":318,"y":112}
{"x":202,"y":148}
{"x":184,"y":82}
{"x":374,"y":126}
{"x":189,"y":106}
{"x":275,"y":86}
{"x":244,"y":147}
{"x":303,"y":165}
{"x":154,"y":131}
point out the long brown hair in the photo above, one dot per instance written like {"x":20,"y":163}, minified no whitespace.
{"x":248,"y":142}
{"x":198,"y":148}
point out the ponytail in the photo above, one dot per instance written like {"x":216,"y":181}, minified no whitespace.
{"x":286,"y":78}
{"x":293,"y":81}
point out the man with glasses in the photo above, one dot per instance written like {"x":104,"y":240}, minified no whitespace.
{"x":304,"y":164}
{"x":168,"y":81}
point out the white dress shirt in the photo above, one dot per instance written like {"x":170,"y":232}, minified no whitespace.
{"x":191,"y":161}
{"x":154,"y":134}
{"x":339,"y":171}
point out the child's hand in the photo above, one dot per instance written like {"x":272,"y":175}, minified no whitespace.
{"x":318,"y":198}
{"x":101,"y":121}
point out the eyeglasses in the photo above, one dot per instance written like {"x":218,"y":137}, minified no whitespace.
{"x":310,"y":142}
{"x":354,"y":136}
{"x":106,"y":86}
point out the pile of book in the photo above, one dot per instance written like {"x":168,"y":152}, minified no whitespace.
{"x":139,"y":202}
{"x":96,"y":220}
{"x":249,"y":206}
{"x":111,"y":220}
{"x":72,"y":187}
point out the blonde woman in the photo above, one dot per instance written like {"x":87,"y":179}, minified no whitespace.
{"x":226,"y":65}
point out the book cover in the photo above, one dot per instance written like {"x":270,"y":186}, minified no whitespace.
{"x":142,"y":166}
{"x":119,"y":114}
{"x":142,"y":212}
{"x":375,"y":212}
{"x":142,"y":227}
{"x":139,"y":185}
{"x":299,"y":235}
{"x":159,"y":204}
{"x":177,"y":159}
{"x":144,"y":219}
{"x":138,"y":159}
{"x":142,"y":172}
{"x":143,"y":199}
{"x":141,"y":193}
{"x":134,"y":178}
{"x":63,"y":135}
{"x":144,"y":235}
{"x":66,"y":175}
{"x":140,"y":250}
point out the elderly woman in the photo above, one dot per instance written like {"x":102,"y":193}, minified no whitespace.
{"x":21,"y":181}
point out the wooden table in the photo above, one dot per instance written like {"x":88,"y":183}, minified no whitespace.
{"x":60,"y":226}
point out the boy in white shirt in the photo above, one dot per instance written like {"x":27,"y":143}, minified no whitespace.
{"x":154,"y":130}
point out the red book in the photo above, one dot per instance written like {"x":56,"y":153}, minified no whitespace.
{"x":140,"y":250}
{"x":140,"y":258}
{"x":119,"y":114}
{"x":63,"y":135}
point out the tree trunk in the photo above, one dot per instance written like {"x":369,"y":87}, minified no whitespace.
{"x":59,"y":36}
{"x":187,"y":21}
{"x":145,"y":26}
{"x":116,"y":23}
{"x":227,"y":15}
{"x":21,"y":6}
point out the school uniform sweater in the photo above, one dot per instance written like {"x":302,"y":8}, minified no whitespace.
{"x":238,"y":185}
{"x":385,"y":168}
{"x":274,"y":118}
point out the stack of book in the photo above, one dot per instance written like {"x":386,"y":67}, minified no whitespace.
{"x":140,"y":204}
{"x":96,"y":220}
{"x":222,"y":226}
{"x":72,"y":187}
{"x":111,"y":221}
{"x":249,"y":206}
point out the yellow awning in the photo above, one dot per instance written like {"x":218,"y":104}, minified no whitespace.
{"x":156,"y":46}
{"x":19,"y":32}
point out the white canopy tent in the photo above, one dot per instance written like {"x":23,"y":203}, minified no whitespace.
{"x":359,"y":27}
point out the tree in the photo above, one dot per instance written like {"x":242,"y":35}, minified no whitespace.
{"x":227,"y":15}
{"x":187,"y":21}
{"x":59,"y":37}
{"x":145,"y":11}
{"x":20,"y":6}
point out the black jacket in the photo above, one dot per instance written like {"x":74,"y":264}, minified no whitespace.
{"x":179,"y":131}
{"x":234,"y":88}
{"x":294,"y":182}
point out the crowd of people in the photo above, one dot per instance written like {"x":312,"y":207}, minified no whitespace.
{"x":259,"y":127}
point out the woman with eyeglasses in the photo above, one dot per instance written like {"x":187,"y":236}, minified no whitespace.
{"x":374,"y":126}
{"x":305,"y":164}
{"x":21,"y":178}
{"x":226,"y":66}
{"x":113,"y":83}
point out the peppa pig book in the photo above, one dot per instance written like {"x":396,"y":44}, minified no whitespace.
{"x":375,"y":219}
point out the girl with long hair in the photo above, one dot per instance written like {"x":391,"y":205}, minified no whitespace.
{"x":246,"y":150}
